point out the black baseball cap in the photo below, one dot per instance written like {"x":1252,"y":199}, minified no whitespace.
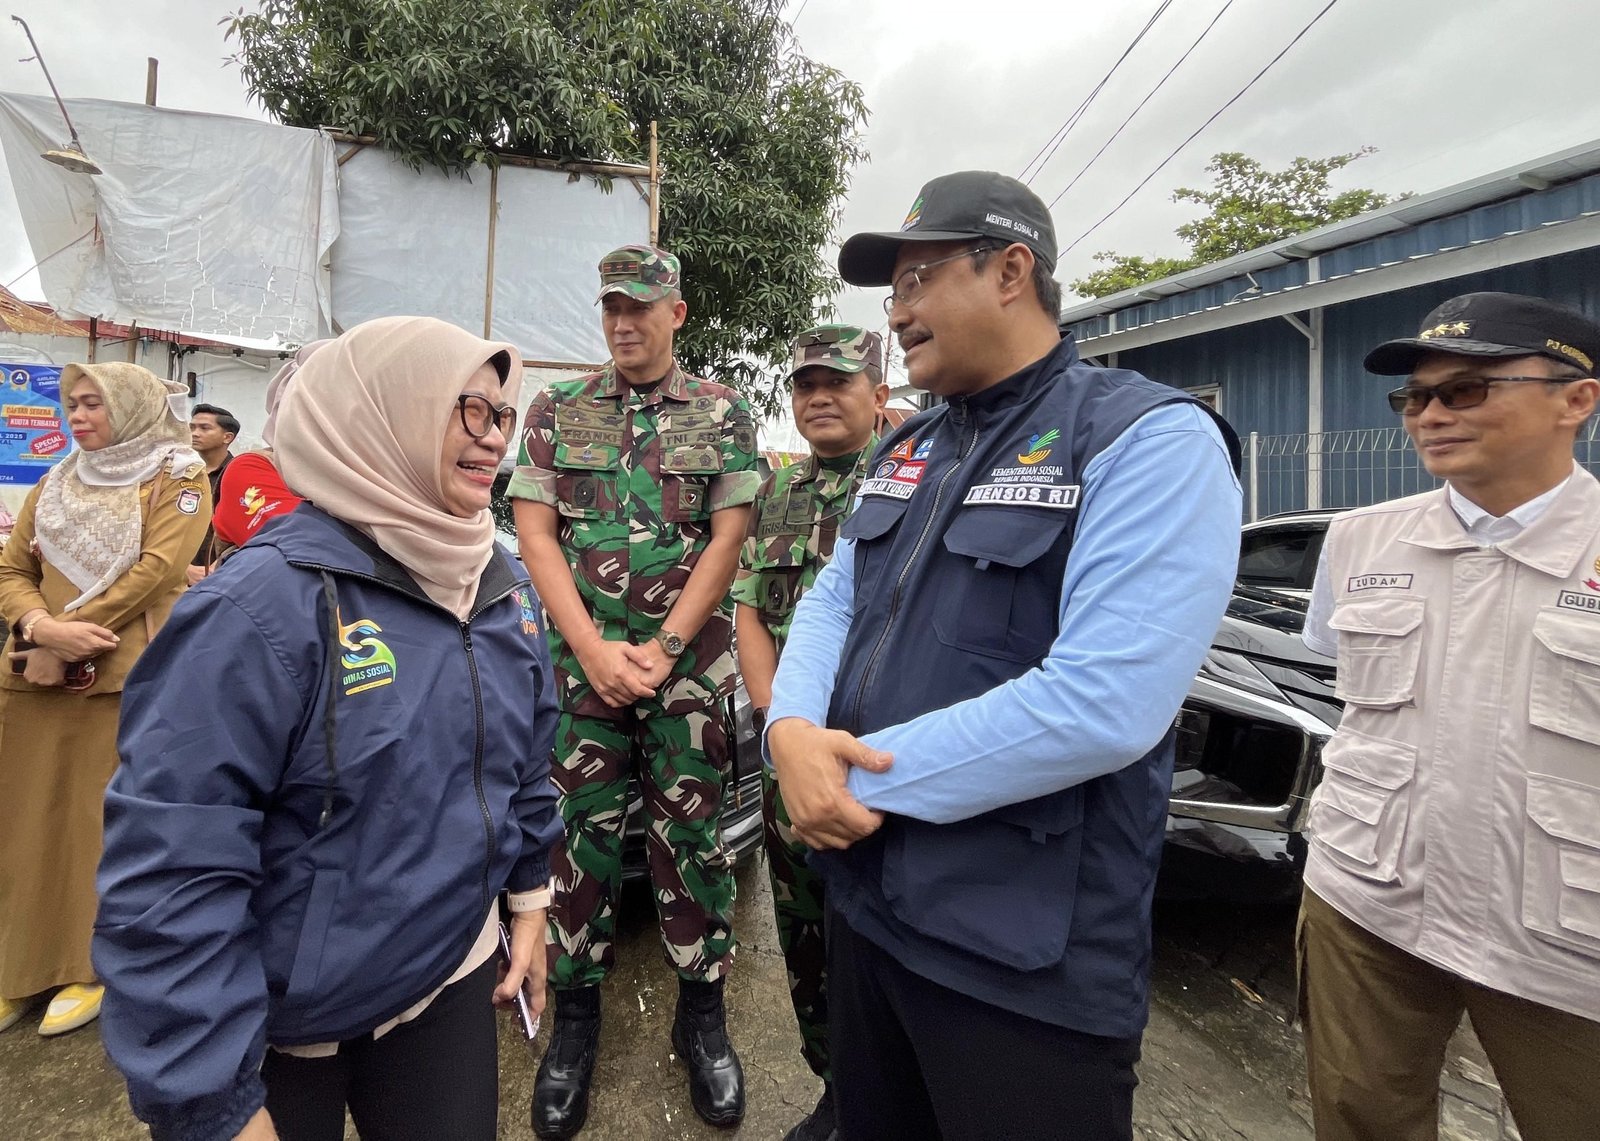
{"x":1494,"y":325}
{"x":968,"y":204}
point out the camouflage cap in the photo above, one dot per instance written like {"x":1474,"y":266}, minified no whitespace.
{"x":844,"y":348}
{"x":644,"y":273}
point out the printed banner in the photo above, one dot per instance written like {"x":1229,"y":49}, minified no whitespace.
{"x":33,"y":432}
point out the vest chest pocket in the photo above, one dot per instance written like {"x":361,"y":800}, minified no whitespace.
{"x":1561,"y":863}
{"x":946,"y":880}
{"x":1380,"y":646}
{"x":588,"y":453}
{"x":785,"y":518}
{"x":585,"y":479}
{"x":988,"y":603}
{"x":691,"y":460}
{"x":779,"y":563}
{"x":690,"y":457}
{"x":690,"y":442}
{"x":780,"y":591}
{"x":685,"y":499}
{"x":871,"y":527}
{"x":1564,"y":690}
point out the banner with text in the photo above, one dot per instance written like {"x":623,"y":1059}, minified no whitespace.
{"x":33,"y":432}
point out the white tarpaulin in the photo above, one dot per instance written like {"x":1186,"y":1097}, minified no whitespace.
{"x":225,"y":227}
{"x":201,"y":223}
{"x":414,"y":242}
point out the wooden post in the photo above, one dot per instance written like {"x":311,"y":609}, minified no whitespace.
{"x":488,"y":277}
{"x":94,"y":337}
{"x":655,"y":187}
{"x":151,"y":64}
{"x":133,"y":343}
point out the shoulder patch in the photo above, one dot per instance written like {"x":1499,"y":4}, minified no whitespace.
{"x":189,"y":501}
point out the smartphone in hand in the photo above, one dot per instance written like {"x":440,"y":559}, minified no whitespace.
{"x":525,"y":1016}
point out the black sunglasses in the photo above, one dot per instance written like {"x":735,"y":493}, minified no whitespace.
{"x":479,"y":416}
{"x":1462,"y":392}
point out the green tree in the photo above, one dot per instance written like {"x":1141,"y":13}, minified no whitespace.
{"x":1247,"y":206}
{"x":756,"y":141}
{"x":1124,"y":271}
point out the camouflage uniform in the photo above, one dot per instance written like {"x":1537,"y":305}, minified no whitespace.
{"x":635,"y":478}
{"x":793,"y":526}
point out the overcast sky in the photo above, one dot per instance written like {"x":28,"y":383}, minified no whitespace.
{"x":1445,"y":89}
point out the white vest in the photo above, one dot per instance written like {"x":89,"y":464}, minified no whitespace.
{"x":1459,"y":813}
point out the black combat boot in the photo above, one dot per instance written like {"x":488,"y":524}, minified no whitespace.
{"x":700,"y":1036}
{"x":820,"y":1124}
{"x":561,"y":1091}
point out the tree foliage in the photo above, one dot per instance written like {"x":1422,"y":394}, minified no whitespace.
{"x":756,"y":141}
{"x":1247,"y":206}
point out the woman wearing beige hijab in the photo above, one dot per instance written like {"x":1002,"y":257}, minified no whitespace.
{"x":304,"y":848}
{"x":252,"y":491}
{"x":93,"y":566}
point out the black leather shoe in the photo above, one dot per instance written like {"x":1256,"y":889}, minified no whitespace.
{"x":700,"y":1036}
{"x":821,"y":1124}
{"x":561,"y":1091}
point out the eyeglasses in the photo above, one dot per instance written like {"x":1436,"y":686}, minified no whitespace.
{"x":907,"y":288}
{"x":1462,"y":392}
{"x":479,"y":416}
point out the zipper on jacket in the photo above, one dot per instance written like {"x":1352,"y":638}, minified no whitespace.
{"x":477,"y":762}
{"x":959,"y":415}
{"x":477,"y":697}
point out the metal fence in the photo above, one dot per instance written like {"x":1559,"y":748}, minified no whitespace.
{"x":1348,"y":469}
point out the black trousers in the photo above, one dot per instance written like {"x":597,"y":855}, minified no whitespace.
{"x":434,"y":1077}
{"x":915,"y":1060}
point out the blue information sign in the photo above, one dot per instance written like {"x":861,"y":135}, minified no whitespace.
{"x":33,"y":433}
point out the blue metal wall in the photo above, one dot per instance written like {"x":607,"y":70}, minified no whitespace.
{"x":1261,"y":370}
{"x":1353,"y":398}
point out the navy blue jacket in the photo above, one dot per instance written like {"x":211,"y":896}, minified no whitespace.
{"x":326,"y":778}
{"x":1042,"y":906}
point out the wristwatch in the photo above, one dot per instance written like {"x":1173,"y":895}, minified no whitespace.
{"x":670,"y":642}
{"x":539,"y":899}
{"x":758,"y":718}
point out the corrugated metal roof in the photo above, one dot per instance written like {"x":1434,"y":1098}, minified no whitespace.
{"x":1523,"y":179}
{"x":1390,"y":270}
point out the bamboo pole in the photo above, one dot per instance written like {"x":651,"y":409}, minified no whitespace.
{"x":151,"y":66}
{"x":615,"y":169}
{"x":655,"y":186}
{"x":488,"y":276}
{"x":94,"y":337}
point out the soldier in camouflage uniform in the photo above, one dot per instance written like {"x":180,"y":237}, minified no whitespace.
{"x":837,"y":393}
{"x":632,"y":492}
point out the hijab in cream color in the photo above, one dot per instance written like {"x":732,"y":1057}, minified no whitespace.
{"x":88,"y":520}
{"x":360,"y":432}
{"x":278,"y":386}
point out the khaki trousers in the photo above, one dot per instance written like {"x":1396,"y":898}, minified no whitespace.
{"x":1377,"y":1020}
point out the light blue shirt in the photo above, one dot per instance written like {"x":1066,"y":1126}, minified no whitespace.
{"x":1150,"y":573}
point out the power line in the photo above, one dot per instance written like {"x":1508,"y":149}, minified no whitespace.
{"x":1145,"y":181}
{"x":798,"y":14}
{"x":1114,"y":135}
{"x":1053,"y":143}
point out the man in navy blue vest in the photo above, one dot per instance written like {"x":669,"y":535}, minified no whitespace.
{"x":972,"y":721}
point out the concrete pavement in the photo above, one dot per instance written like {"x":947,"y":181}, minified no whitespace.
{"x":1221,"y":1060}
